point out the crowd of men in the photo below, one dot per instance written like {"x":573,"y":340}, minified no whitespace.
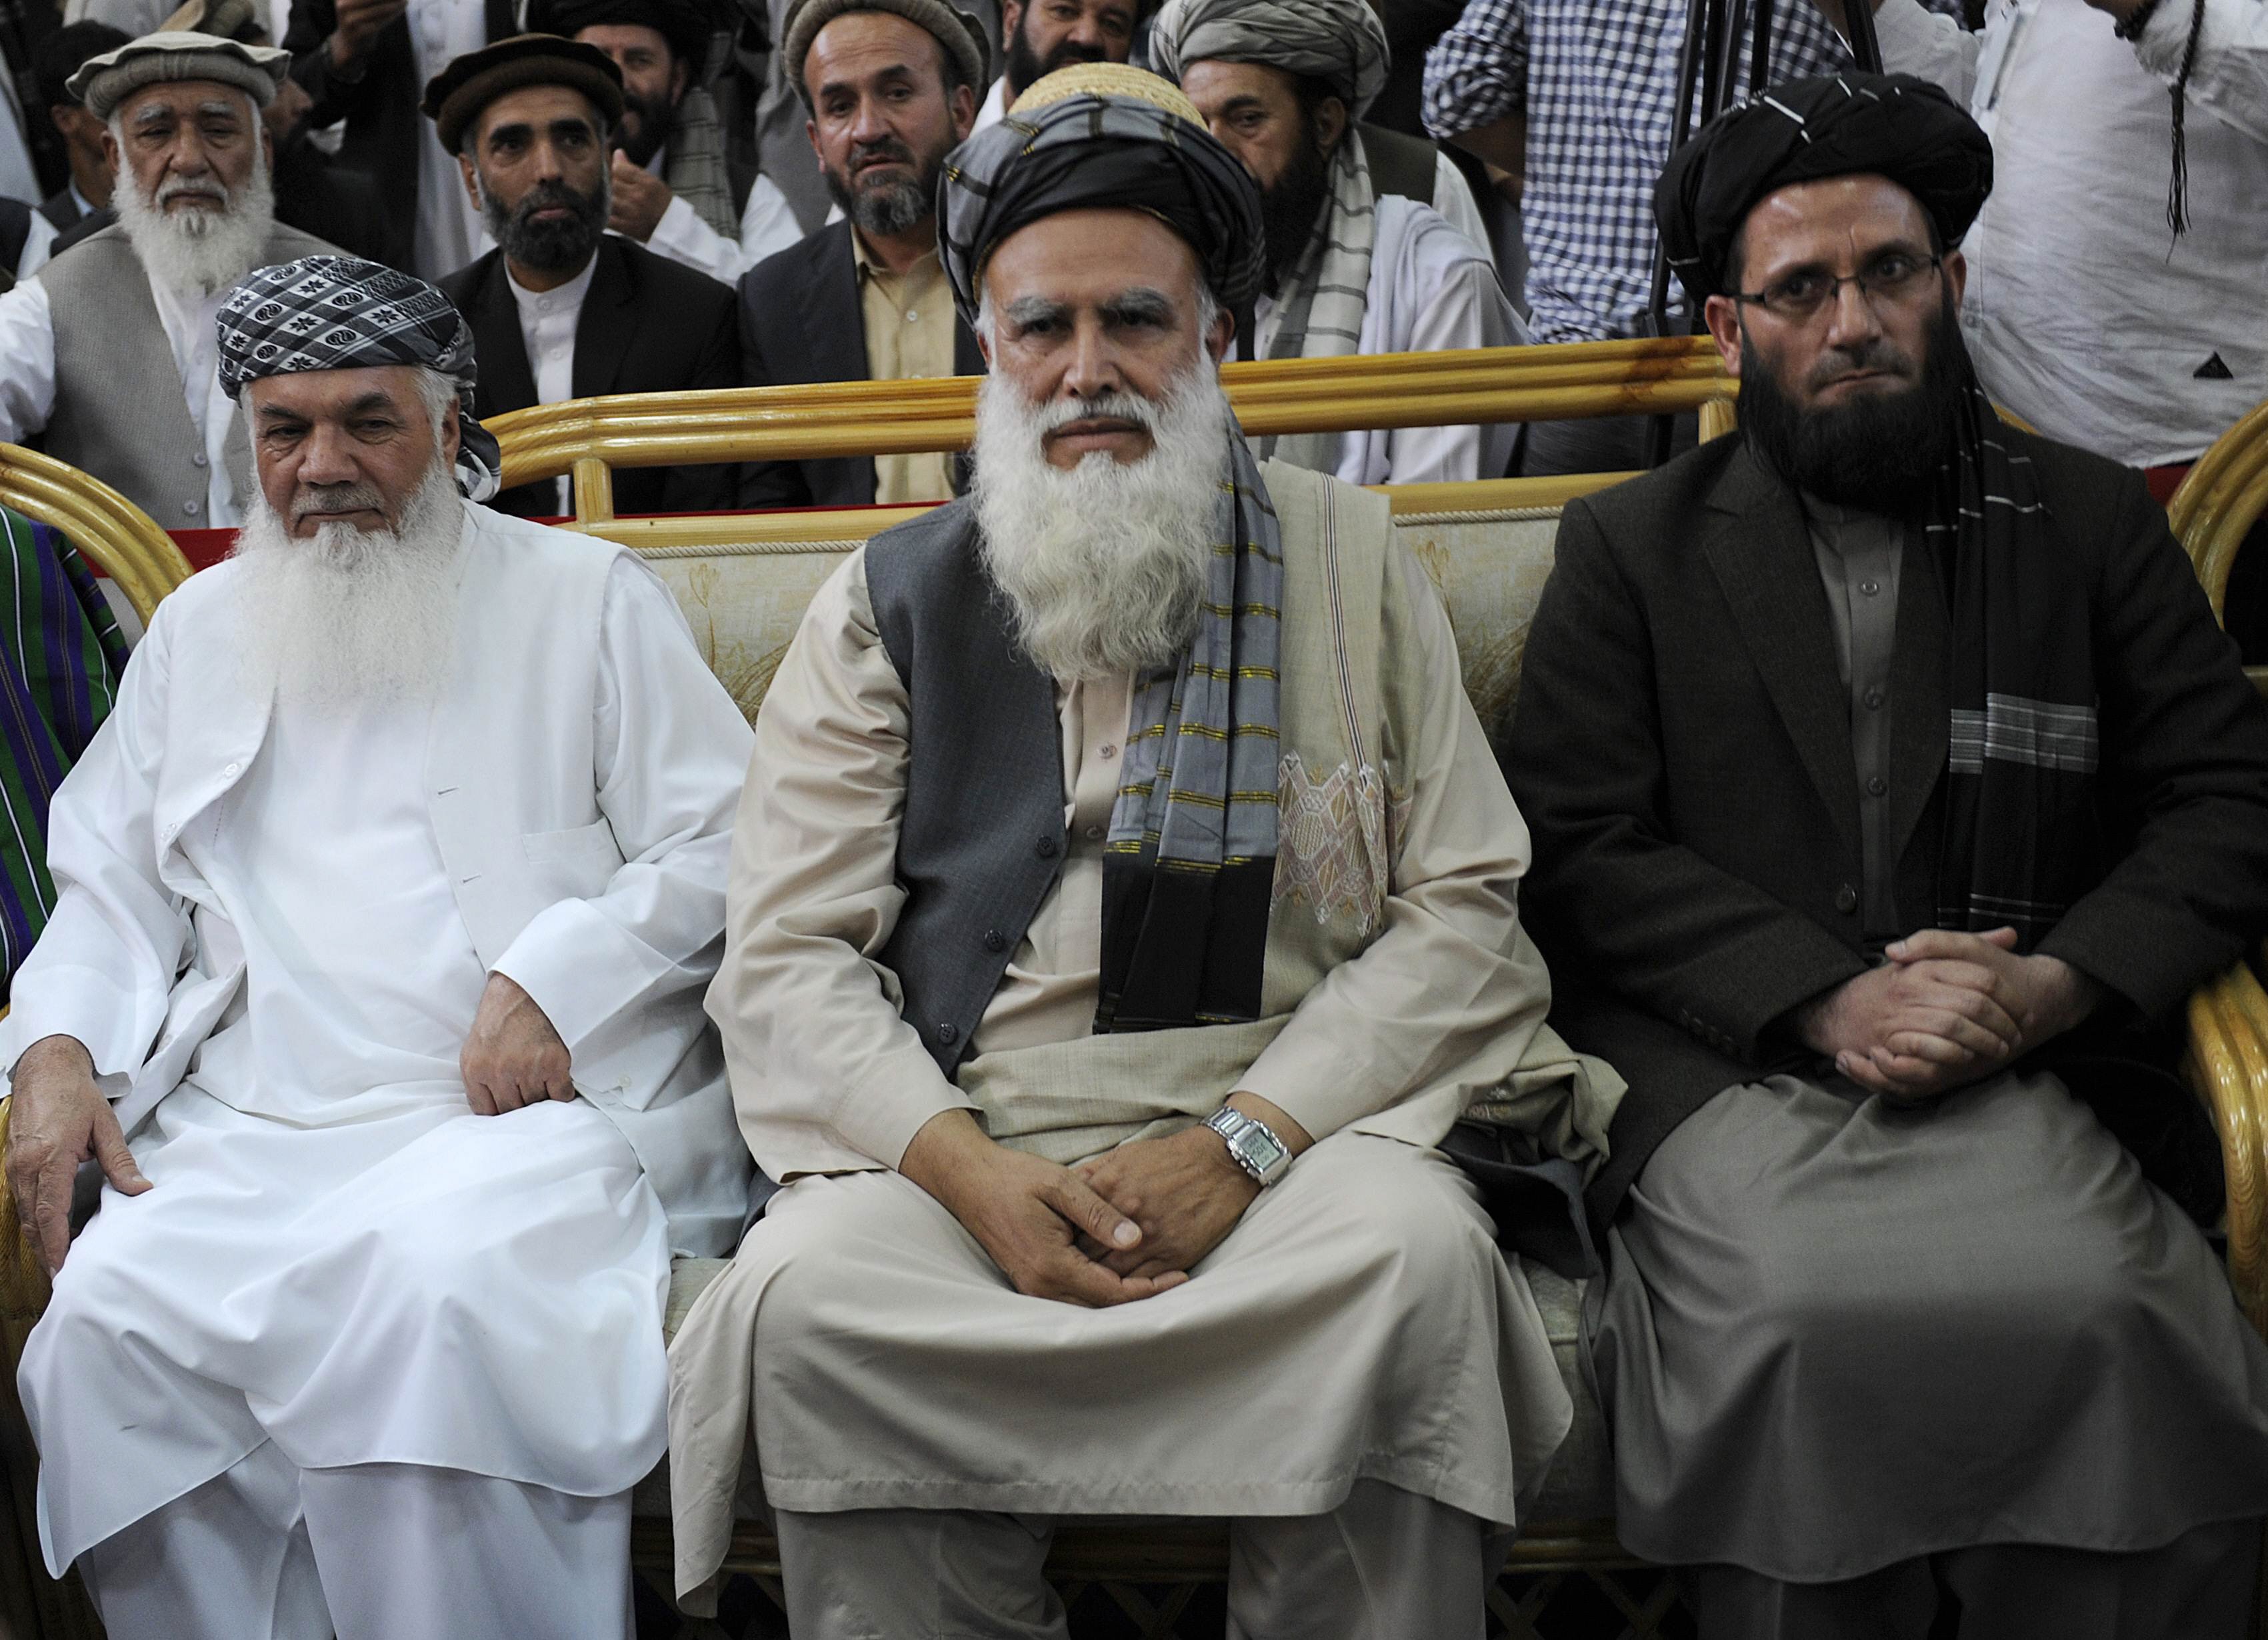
{"x":1118,"y":1007}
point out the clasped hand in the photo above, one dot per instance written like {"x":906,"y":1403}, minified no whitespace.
{"x":1946,"y":1008}
{"x":1129,"y":1224}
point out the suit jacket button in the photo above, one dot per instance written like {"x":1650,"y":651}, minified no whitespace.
{"x":947,"y":1033}
{"x":994,"y":940}
{"x":1846,"y":899}
{"x":1048,"y":848}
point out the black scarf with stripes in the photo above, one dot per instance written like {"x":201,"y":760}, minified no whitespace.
{"x":2021,"y":840}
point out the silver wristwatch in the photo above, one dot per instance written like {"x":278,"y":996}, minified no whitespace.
{"x":1252,"y":1144}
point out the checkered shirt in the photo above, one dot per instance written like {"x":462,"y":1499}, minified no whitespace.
{"x":1598,"y":81}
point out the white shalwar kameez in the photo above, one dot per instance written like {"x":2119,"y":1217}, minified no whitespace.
{"x":351,"y":1311}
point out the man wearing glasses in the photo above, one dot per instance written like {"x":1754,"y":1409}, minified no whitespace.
{"x":1891,"y":786}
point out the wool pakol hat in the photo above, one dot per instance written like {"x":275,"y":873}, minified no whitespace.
{"x":456,"y":95}
{"x":961,"y":35}
{"x":102,"y":82}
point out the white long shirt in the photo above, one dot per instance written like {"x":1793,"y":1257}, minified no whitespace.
{"x":767,"y":225}
{"x":1430,"y":290}
{"x":450,"y":232}
{"x":27,"y":383}
{"x":2086,"y":314}
{"x":547,"y":319}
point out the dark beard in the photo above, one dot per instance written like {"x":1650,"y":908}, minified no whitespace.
{"x":1880,"y":452}
{"x":1024,"y":66}
{"x":1289,"y":208}
{"x":888,"y":211}
{"x":561,"y":247}
{"x":641,"y":144}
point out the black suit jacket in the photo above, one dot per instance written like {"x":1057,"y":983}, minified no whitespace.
{"x":800,"y":321}
{"x":381,"y":108}
{"x":648,"y":325}
{"x":1682,"y":750}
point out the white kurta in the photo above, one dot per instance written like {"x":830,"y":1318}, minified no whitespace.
{"x":337,"y":1255}
{"x":768,"y":226}
{"x":1430,"y":288}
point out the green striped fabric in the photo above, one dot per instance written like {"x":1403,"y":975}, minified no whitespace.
{"x":61,"y":655}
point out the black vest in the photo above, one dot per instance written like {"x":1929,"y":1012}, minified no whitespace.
{"x":1400,"y":164}
{"x":982,"y":838}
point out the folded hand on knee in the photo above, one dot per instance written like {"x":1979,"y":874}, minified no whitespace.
{"x":512,"y":1056}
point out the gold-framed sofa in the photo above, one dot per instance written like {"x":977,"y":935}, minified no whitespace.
{"x":743,"y":580}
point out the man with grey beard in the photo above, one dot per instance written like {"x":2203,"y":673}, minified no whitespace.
{"x":889,"y":89}
{"x":1124,"y":914}
{"x":108,"y":352}
{"x":562,"y":309}
{"x":387,"y":896}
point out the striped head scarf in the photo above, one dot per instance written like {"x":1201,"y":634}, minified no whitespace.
{"x":337,"y":313}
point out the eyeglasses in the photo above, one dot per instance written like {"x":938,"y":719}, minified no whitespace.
{"x":1894,"y":276}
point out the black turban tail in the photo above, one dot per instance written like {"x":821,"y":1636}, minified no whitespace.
{"x":1835,"y":125}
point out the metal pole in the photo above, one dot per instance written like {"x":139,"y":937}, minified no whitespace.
{"x":1760,"y":56}
{"x":1865,"y":48}
{"x":1691,"y":54}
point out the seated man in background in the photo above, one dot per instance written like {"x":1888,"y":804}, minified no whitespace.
{"x":889,"y":87}
{"x":1892,"y":789}
{"x":680,"y":188}
{"x":107,"y":353}
{"x":1041,"y":36}
{"x":387,"y":896}
{"x":1351,"y":268}
{"x":1109,"y":1121}
{"x":562,"y":309}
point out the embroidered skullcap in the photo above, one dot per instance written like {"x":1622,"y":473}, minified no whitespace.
{"x":961,"y":35}
{"x":1834,"y":125}
{"x":102,"y":82}
{"x":338,"y":313}
{"x":1101,"y":136}
{"x":1340,"y":42}
{"x":456,"y":95}
{"x":684,"y":25}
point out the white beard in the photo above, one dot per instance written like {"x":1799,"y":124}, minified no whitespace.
{"x":1105,"y":565}
{"x":351,"y":617}
{"x":196,"y":251}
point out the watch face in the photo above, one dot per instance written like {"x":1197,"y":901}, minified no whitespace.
{"x":1264,"y":1151}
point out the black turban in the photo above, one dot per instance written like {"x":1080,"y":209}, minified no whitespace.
{"x":1835,"y":125}
{"x":1101,"y":136}
{"x":684,"y":24}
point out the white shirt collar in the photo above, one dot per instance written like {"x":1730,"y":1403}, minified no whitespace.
{"x":564,"y":297}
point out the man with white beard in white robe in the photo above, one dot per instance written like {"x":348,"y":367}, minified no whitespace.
{"x":1123,"y":911}
{"x":387,"y":898}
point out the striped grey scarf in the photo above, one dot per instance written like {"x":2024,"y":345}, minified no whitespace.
{"x":696,"y":172}
{"x":1189,"y":870}
{"x":1318,"y":314}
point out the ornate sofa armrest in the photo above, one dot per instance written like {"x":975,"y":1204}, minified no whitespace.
{"x":2227,"y":1065}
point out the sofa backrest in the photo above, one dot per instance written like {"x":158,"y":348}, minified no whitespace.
{"x":744,"y":597}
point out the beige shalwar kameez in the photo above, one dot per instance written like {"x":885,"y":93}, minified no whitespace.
{"x":1358,"y":1324}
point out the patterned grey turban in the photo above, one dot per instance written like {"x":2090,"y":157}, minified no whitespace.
{"x":336,"y":312}
{"x":1340,"y":42}
{"x":1101,"y":136}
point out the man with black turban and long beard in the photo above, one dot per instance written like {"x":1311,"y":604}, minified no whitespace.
{"x":1892,"y":787}
{"x":387,"y":895}
{"x":1123,"y":911}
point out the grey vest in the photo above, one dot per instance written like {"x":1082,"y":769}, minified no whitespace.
{"x":119,"y":412}
{"x":982,"y":838}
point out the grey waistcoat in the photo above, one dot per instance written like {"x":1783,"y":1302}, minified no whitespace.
{"x":119,"y":412}
{"x":982,"y":839}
